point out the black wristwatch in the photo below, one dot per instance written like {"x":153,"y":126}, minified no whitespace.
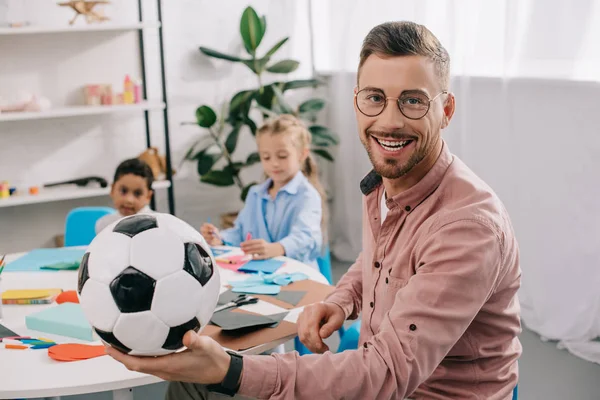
{"x":230,"y":383}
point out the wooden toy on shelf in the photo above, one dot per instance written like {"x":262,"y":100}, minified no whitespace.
{"x":86,"y":7}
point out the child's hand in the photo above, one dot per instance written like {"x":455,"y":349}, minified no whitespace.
{"x":261,"y":249}
{"x":211,"y":234}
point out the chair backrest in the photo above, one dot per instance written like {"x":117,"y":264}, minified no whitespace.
{"x":324,"y":263}
{"x":80,"y":225}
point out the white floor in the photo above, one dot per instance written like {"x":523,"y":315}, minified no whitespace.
{"x":546,"y":372}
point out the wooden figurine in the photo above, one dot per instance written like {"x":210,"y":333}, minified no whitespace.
{"x":86,"y":7}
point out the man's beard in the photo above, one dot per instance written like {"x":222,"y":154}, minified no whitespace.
{"x":391,"y":168}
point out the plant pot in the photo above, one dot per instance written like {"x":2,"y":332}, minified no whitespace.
{"x":228,"y":219}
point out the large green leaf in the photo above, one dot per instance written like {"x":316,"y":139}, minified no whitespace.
{"x":285,"y":108}
{"x":206,"y":161}
{"x":251,"y":28}
{"x":311,"y":105}
{"x":232,"y":139}
{"x":218,"y":178}
{"x":284,"y":67}
{"x":263,"y":21}
{"x":276,"y":47}
{"x":266,"y":97}
{"x":301,"y":83}
{"x":205,"y":116}
{"x":257,"y":65}
{"x":323,"y":153}
{"x":245,"y":191}
{"x":251,"y":124}
{"x":202,"y":143}
{"x":241,"y":102}
{"x":252,"y":159}
{"x":323,"y":133}
{"x":218,"y":54}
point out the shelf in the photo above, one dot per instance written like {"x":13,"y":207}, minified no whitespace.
{"x":78,"y":111}
{"x":32,"y":30}
{"x":48,"y":195}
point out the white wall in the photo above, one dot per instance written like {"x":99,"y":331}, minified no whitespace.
{"x":37,"y":152}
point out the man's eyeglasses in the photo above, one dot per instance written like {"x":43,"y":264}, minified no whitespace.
{"x":413,"y":104}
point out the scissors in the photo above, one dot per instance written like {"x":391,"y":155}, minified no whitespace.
{"x":241,"y":300}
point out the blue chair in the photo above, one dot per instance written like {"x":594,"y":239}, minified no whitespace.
{"x":80,"y":225}
{"x":325,"y":265}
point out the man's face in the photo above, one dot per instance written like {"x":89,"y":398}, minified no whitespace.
{"x":395,"y":143}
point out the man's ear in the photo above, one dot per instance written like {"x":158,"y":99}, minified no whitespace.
{"x":449,"y":107}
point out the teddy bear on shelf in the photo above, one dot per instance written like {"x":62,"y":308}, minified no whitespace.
{"x":26,"y":102}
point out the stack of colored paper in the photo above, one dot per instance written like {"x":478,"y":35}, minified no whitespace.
{"x":30,"y":296}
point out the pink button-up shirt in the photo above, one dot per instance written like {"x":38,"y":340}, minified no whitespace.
{"x":436,"y":283}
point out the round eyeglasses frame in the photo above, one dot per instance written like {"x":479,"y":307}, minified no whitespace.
{"x":400,"y":107}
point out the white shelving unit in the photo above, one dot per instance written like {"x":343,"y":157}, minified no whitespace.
{"x":29,"y":30}
{"x":75,"y":111}
{"x":66,"y":193}
{"x":70,"y":191}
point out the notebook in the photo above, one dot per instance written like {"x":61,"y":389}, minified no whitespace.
{"x":30,"y":296}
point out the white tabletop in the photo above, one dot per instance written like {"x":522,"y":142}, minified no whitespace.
{"x":31,"y":373}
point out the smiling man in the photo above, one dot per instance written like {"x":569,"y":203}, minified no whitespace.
{"x":436,"y":281}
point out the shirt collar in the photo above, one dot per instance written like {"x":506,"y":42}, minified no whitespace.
{"x":412,"y":197}
{"x":291,"y":187}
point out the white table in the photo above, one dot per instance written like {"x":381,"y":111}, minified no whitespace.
{"x":31,"y":373}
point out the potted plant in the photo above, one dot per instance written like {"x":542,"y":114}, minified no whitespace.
{"x":214,"y":151}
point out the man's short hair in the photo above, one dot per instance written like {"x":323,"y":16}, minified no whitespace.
{"x":404,"y":38}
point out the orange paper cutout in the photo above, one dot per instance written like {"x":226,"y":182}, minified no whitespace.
{"x":69,"y":296}
{"x":75,"y":352}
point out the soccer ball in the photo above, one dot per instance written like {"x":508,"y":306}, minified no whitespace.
{"x":145,"y":281}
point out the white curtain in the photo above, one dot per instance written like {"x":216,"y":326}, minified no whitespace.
{"x":526,"y":74}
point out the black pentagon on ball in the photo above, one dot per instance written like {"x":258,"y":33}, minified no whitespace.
{"x":136,"y":224}
{"x":198,"y":263}
{"x":109,"y":338}
{"x":175,"y":337}
{"x":133,"y":290}
{"x":83,"y":272}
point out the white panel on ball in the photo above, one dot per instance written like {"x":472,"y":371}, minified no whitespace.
{"x":141,"y":331}
{"x":170,"y":296}
{"x":109,"y":256}
{"x":98,"y":304}
{"x":157,"y":252}
{"x":184,"y":230}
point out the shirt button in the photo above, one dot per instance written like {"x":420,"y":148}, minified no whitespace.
{"x":387,"y":281}
{"x":377,"y":264}
{"x":372,"y":304}
{"x":365,"y":345}
{"x":407,"y":208}
{"x":412,"y":327}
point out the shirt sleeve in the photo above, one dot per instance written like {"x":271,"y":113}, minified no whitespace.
{"x":305,"y":234}
{"x":459,"y":266}
{"x":348,"y":291}
{"x":235,"y":236}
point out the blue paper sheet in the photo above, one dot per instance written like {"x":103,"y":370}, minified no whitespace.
{"x":257,"y":289}
{"x":217,"y":251}
{"x":38,"y":258}
{"x":268,"y":266}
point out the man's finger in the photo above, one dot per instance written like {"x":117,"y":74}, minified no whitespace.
{"x":327,"y":329}
{"x":311,"y":333}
